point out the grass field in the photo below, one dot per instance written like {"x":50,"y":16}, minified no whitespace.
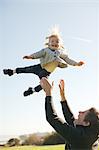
{"x":55,"y":147}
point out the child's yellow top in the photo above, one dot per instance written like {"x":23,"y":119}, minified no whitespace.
{"x":51,"y":66}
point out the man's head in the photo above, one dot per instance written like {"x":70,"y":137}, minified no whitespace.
{"x":88,"y":117}
{"x":92,"y":116}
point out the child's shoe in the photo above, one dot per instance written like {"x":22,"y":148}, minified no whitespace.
{"x":28,"y":92}
{"x":8,"y":72}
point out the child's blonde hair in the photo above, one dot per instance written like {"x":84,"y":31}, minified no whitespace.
{"x":55,"y":33}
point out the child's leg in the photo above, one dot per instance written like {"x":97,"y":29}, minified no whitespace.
{"x":32,"y":90}
{"x":43,"y":73}
{"x":38,"y":88}
{"x":31,"y":69}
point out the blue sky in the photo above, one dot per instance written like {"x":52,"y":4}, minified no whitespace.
{"x":23,"y":29}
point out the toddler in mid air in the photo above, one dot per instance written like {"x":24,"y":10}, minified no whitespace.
{"x":51,"y":57}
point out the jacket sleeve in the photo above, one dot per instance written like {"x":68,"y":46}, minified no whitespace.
{"x":67,"y":59}
{"x":68,"y":115}
{"x":38,"y":54}
{"x":63,"y":128}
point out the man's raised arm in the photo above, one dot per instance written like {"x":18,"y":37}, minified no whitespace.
{"x":69,"y":117}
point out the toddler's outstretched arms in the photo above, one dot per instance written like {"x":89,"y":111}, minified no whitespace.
{"x":27,"y":57}
{"x":80,"y":63}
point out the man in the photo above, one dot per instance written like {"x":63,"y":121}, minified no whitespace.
{"x":79,"y":134}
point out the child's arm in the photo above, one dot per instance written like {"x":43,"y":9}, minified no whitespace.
{"x":80,"y":63}
{"x":36,"y":55}
{"x":70,"y":61}
{"x":27,"y":57}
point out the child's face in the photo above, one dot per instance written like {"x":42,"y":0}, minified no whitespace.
{"x":53,"y":43}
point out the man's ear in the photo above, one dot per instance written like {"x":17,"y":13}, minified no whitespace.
{"x":86,"y":123}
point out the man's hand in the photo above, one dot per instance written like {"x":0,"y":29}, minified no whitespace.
{"x":62,"y":92}
{"x":27,"y":57}
{"x":47,"y":87}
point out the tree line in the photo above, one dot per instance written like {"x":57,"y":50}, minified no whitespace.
{"x":35,"y":139}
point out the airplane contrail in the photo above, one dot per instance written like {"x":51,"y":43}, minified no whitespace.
{"x":80,"y":39}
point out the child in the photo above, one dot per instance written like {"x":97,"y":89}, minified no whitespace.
{"x":51,"y":57}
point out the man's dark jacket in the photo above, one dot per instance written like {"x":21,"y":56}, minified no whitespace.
{"x":78,"y":137}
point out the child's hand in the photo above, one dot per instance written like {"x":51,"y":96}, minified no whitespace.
{"x":27,"y":57}
{"x":80,"y":63}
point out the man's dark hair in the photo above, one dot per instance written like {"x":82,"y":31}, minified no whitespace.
{"x":92,"y":116}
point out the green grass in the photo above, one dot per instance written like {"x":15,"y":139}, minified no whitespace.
{"x":55,"y":147}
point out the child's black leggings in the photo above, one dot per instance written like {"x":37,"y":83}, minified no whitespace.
{"x":36,"y":69}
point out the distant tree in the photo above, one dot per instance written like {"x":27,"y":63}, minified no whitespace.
{"x":32,"y":139}
{"x":13,"y":142}
{"x":52,"y":139}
